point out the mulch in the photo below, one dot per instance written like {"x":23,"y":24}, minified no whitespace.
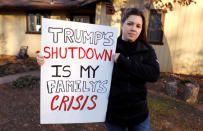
{"x":20,"y":111}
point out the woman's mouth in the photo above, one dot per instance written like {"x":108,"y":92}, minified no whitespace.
{"x":131,"y":34}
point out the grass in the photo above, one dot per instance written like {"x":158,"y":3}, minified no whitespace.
{"x":169,"y":114}
{"x":161,"y":106}
{"x":159,"y":110}
{"x":27,"y":81}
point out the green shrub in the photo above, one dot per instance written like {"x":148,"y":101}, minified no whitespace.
{"x":31,"y":65}
{"x":3,"y":68}
{"x":27,"y":81}
{"x":185,"y":81}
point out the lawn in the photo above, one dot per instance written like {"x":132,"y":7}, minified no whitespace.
{"x":20,"y":107}
{"x":170,"y":114}
{"x":20,"y":110}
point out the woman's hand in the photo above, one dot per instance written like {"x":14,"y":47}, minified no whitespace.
{"x":40,"y":58}
{"x":115,"y":57}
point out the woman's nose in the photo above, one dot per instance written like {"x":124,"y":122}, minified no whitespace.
{"x":133,"y":28}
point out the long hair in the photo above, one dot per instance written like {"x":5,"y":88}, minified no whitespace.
{"x":134,"y":11}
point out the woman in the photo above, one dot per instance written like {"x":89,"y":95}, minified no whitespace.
{"x":135,"y":64}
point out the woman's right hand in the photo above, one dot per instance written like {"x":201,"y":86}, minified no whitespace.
{"x":40,"y":58}
{"x":115,"y":57}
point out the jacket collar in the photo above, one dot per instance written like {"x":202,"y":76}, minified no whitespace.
{"x":136,"y":46}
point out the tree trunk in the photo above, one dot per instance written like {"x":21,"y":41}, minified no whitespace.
{"x":171,"y":88}
{"x":191,"y":92}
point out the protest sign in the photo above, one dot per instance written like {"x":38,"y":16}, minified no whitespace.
{"x":76,"y":76}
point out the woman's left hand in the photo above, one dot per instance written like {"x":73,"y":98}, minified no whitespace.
{"x":115,"y":57}
{"x":40,"y":58}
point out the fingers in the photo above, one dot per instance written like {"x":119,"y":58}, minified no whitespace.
{"x":40,"y":61}
{"x":40,"y":58}
{"x":115,"y":57}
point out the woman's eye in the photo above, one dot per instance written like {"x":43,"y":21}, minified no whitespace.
{"x":138,"y":26}
{"x":129,"y":23}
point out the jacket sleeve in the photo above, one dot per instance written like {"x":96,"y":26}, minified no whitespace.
{"x":147,"y":71}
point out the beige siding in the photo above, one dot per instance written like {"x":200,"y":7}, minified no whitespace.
{"x":113,"y":20}
{"x":58,"y":15}
{"x":182,"y":51}
{"x":13,"y":36}
{"x":102,"y":18}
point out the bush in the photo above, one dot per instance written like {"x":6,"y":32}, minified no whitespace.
{"x":185,"y":81}
{"x":27,"y":81}
{"x":3,"y":68}
{"x":17,"y":66}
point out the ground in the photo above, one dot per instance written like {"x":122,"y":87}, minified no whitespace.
{"x":11,"y":65}
{"x":173,"y":114}
{"x":20,"y":109}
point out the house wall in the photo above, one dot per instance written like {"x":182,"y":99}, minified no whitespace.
{"x":182,"y":51}
{"x":13,"y":36}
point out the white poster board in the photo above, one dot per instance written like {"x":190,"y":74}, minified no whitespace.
{"x":76,"y":76}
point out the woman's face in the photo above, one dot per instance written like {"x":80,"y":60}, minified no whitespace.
{"x":132,"y":28}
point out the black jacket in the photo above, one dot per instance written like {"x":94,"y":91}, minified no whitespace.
{"x":136,"y":65}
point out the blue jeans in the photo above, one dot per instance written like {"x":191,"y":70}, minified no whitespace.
{"x":144,"y":126}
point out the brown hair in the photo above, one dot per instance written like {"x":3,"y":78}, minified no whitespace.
{"x":134,"y":11}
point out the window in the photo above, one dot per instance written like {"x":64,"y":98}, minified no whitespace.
{"x":34,"y":22}
{"x":155,"y":27}
{"x":84,"y":19}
